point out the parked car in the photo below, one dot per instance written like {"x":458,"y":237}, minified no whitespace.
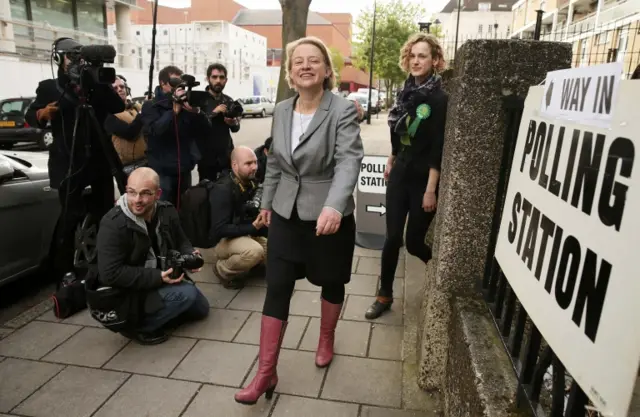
{"x":14,"y":128}
{"x":257,"y":106}
{"x":29,"y":210}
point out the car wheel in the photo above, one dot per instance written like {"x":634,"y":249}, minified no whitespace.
{"x":85,"y":242}
{"x":263,"y":114}
{"x":45,"y":141}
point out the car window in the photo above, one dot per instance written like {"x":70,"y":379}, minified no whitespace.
{"x":252,"y":100}
{"x":13,"y":106}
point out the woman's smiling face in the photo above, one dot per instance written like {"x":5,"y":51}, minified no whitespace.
{"x":308,"y":67}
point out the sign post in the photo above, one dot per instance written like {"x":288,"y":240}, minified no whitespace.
{"x":371,"y":207}
{"x":570,"y":230}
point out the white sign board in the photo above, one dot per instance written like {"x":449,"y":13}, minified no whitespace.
{"x":584,"y":95}
{"x":569,"y":243}
{"x":371,"y":178}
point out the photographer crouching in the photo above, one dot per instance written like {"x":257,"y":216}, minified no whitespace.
{"x":223,"y":114}
{"x":141,"y":252}
{"x":237,"y":233}
{"x":80,"y":155}
{"x":172,"y":126}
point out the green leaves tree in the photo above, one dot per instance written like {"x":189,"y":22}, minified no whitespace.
{"x":294,"y":26}
{"x":395,"y":22}
{"x":338,"y":62}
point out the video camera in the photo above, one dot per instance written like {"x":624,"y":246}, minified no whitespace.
{"x":87,"y":69}
{"x":234,"y":109}
{"x":179,"y":262}
{"x":193,"y":98}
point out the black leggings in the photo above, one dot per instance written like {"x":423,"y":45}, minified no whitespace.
{"x":276,"y":303}
{"x":404,"y":196}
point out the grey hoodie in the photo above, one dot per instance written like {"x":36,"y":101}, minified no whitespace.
{"x":152,"y":259}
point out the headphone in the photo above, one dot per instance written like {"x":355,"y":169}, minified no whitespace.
{"x":58,"y":56}
{"x":126,"y":86}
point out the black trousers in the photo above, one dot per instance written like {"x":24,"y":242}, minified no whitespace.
{"x":404,"y":200}
{"x":74,"y":207}
{"x":295,"y":252}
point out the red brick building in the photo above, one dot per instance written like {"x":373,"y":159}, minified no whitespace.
{"x":333,"y":28}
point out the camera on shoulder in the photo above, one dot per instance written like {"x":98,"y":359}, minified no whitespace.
{"x":192,"y":98}
{"x":86,"y":67}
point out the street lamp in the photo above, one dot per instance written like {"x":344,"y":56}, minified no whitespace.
{"x":373,"y":37}
{"x":425,"y":26}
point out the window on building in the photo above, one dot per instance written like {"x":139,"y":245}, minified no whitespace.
{"x":489,"y":27}
{"x":58,"y":13}
{"x":19,"y":11}
{"x":90,"y":16}
{"x":479,"y":28}
{"x":165,"y":32}
{"x":484,"y":7}
{"x":137,"y":32}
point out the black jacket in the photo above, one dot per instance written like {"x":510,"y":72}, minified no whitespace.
{"x":115,"y":126}
{"x":425,"y":149}
{"x":262,"y":163}
{"x":163,"y":146}
{"x":88,"y":151}
{"x":123,"y":247}
{"x":216,"y":146}
{"x":227,"y":201}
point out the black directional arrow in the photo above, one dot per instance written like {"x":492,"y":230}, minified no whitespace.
{"x":380,"y":209}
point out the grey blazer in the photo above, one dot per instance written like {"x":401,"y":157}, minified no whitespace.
{"x":323,"y":169}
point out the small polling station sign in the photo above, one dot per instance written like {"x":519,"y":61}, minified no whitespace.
{"x":371,"y":203}
{"x":570,"y":229}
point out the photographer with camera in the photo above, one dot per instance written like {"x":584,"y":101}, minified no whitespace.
{"x":143,"y":250}
{"x":79,"y":155}
{"x":223,"y":115}
{"x":237,"y":233}
{"x":125,"y":128}
{"x":172,"y":126}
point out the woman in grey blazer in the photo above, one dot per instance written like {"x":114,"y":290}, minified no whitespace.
{"x":308,"y":204}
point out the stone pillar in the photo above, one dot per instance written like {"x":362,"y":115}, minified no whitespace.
{"x":125,"y":38}
{"x":7,"y":42}
{"x":452,"y":311}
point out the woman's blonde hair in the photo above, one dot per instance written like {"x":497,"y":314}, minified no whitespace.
{"x":434,"y":45}
{"x":330,"y":81}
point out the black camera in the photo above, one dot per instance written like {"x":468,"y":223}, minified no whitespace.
{"x":234,"y":109}
{"x":86,"y":67}
{"x":193,"y":98}
{"x":252,"y":207}
{"x":179,"y":262}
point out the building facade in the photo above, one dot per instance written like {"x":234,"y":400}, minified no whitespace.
{"x":600,"y":30}
{"x":479,"y":19}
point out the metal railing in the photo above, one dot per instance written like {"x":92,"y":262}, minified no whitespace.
{"x":544,"y":386}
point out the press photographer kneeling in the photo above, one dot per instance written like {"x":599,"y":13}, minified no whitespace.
{"x":239,"y":236}
{"x":142,"y":252}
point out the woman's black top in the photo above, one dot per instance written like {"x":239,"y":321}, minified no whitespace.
{"x":424,"y":150}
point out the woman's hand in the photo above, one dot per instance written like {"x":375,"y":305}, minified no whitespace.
{"x":328,"y":222}
{"x":429,"y":201}
{"x":387,"y":168}
{"x":265,"y":217}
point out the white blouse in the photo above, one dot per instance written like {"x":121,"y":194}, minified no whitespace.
{"x":298,"y":128}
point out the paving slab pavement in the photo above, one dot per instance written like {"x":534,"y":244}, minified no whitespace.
{"x":75,"y":368}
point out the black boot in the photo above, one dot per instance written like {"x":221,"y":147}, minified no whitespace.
{"x":378,"y":307}
{"x":147,"y":338}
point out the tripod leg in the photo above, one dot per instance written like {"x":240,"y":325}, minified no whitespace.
{"x":109,"y":152}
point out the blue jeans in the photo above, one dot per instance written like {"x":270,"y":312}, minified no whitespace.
{"x":182,"y":301}
{"x":169,"y":186}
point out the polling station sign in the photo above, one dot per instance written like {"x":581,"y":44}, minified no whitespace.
{"x":569,"y":242}
{"x":583,"y":95}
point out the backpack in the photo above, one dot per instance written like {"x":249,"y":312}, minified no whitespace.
{"x":195,"y":214}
